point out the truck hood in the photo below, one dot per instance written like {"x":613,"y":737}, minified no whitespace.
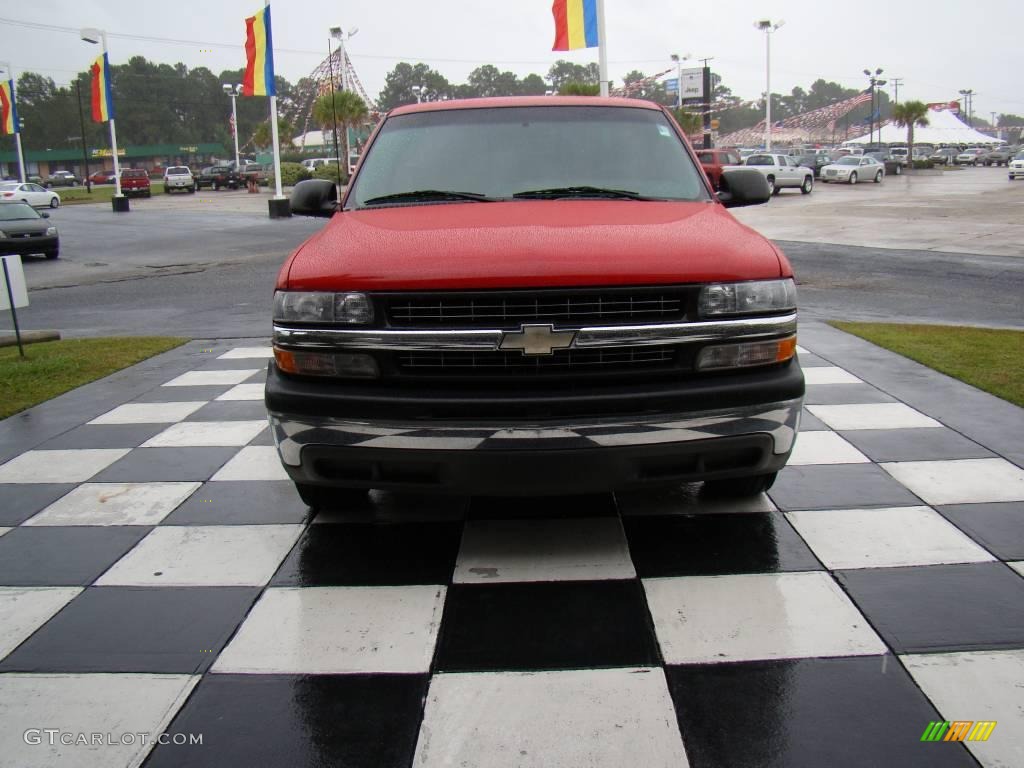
{"x":530,"y":243}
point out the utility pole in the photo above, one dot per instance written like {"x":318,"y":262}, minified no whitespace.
{"x":968,"y":97}
{"x":706,"y":76}
{"x":896,"y":83}
{"x":766,"y":26}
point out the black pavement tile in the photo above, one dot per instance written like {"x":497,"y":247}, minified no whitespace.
{"x":241,"y":503}
{"x":846,"y":486}
{"x":359,"y":554}
{"x":136,"y":629}
{"x":925,"y":444}
{"x":844,"y":394}
{"x":810,"y":360}
{"x":355,"y":721}
{"x":811,"y":423}
{"x":553,"y":625}
{"x":998,"y":527}
{"x":104,"y":436}
{"x":382,"y":506}
{"x":706,"y":545}
{"x":806,"y":713}
{"x":266,"y":437}
{"x":20,"y":501}
{"x":149,"y":465}
{"x":63,"y":555}
{"x":971,"y":607}
{"x":230,"y":410}
{"x":514,"y":507}
{"x":182,"y":394}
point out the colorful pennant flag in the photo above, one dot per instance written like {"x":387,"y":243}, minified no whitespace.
{"x":575,"y":24}
{"x":8,"y":109}
{"x":102,"y":101}
{"x":259,"y":56}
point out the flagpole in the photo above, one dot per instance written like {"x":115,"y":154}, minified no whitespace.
{"x":21,"y":155}
{"x":602,"y":50}
{"x":6,"y":66}
{"x":279,"y":194}
{"x":113,"y":130}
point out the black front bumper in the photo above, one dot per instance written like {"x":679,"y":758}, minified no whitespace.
{"x":29,"y":245}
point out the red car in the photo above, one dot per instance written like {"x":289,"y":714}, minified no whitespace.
{"x":532,"y":295}
{"x":713,"y":161}
{"x":135,"y":183}
{"x":102,"y":177}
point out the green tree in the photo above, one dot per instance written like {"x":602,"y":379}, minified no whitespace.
{"x":909,"y":114}
{"x":563,"y":72}
{"x":533,"y":85}
{"x":399,"y":82}
{"x":579,"y":89}
{"x":690,"y":122}
{"x":342,"y":108}
{"x":652,"y":91}
{"x":488,"y":80}
{"x":262,"y":136}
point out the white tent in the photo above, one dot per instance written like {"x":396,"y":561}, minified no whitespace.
{"x":943,"y":128}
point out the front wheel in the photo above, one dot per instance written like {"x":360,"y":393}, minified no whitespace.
{"x":318,"y":497}
{"x":736,"y":487}
{"x":54,"y":254}
{"x":899,"y":170}
{"x":807,"y":186}
{"x":54,"y":202}
{"x":214,"y":186}
{"x":771,"y":185}
{"x":853,"y":178}
{"x":878,"y":178}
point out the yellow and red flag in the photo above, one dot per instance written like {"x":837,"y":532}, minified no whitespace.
{"x":575,"y":24}
{"x":8,"y":109}
{"x":102,"y":101}
{"x":259,"y":56}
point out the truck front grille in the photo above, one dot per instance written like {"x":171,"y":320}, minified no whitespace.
{"x":562,"y":361}
{"x":564,"y":308}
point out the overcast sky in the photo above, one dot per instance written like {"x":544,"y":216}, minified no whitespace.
{"x":936,"y":50}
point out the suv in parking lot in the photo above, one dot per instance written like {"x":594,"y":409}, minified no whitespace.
{"x":533,"y":295}
{"x":714,"y":161}
{"x":217,"y":177}
{"x":179,"y":177}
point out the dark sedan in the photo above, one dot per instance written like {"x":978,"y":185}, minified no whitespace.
{"x":814,"y":161}
{"x":24,"y":230}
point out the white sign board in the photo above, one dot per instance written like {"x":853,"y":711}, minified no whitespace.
{"x":693,"y":83}
{"x":17,"y":278}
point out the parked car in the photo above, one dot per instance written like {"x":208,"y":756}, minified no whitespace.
{"x":814,"y":160}
{"x":970,"y":157}
{"x":892,"y":167}
{"x":583,"y":320}
{"x":998,"y":156}
{"x":217,"y":177}
{"x":33,"y":194}
{"x":900,"y":155}
{"x":61,"y":179}
{"x":102,"y":177}
{"x":714,"y":160}
{"x":23,"y":230}
{"x":853,"y":169}
{"x":782,"y":171}
{"x":179,"y":177}
{"x":945,"y":156}
{"x":1016,"y":167}
{"x":135,"y":183}
{"x":251,"y":170}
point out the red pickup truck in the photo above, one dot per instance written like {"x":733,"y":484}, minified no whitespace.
{"x":135,"y":182}
{"x":532,"y":295}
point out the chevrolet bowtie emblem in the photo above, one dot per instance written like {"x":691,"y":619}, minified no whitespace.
{"x":537,"y":339}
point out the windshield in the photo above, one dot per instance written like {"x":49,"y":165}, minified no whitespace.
{"x":177,"y":171}
{"x":848,"y":161}
{"x":499,"y":152}
{"x":760,"y":160}
{"x":16,"y":211}
{"x":133,"y":174}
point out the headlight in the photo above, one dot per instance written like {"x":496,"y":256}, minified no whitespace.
{"x":747,"y":355}
{"x":303,"y":307}
{"x":754,"y":297}
{"x":51,"y":231}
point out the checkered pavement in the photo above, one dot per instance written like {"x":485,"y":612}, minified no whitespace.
{"x":158,"y":574}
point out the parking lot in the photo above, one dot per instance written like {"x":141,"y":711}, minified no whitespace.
{"x":158,"y":571}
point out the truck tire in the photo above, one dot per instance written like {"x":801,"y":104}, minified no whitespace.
{"x":736,"y":487}
{"x":878,"y":178}
{"x":853,"y":178}
{"x":213,"y":186}
{"x":771,"y":185}
{"x":807,"y":186}
{"x":318,"y":497}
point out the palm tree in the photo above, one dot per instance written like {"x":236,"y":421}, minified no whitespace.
{"x":574,"y":88}
{"x":341,"y":108}
{"x":690,"y":122}
{"x":910,"y":113}
{"x":261,"y":136}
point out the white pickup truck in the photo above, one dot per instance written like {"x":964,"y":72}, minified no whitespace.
{"x":782,"y":171}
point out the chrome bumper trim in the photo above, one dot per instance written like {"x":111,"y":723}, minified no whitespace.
{"x":780,"y":420}
{"x":490,"y":340}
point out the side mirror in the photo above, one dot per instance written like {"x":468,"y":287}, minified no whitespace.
{"x":743,"y":186}
{"x":314,"y":197}
{"x":44,"y":214}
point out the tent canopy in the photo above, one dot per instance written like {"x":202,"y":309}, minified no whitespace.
{"x":943,"y":128}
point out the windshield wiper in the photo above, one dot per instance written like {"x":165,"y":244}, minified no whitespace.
{"x":424,"y":195}
{"x":556,"y":192}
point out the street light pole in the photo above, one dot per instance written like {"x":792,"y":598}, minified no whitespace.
{"x":766,"y":26}
{"x":90,"y":36}
{"x":968,"y":94}
{"x":874,"y":81}
{"x":233,"y":93}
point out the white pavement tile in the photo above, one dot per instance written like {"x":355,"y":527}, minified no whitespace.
{"x":978,"y":685}
{"x":829,"y":374}
{"x":115,"y":504}
{"x":543,"y":550}
{"x":123,"y":705}
{"x":149,"y":413}
{"x":255,"y":462}
{"x":824,"y":448}
{"x":960,"y":481}
{"x":204,"y":556}
{"x":872,"y":416}
{"x":325,"y":630}
{"x":3,"y":531}
{"x":247,"y":353}
{"x":801,"y":351}
{"x":211,"y":378}
{"x":195,"y":434}
{"x":70,"y":466}
{"x":885,"y":538}
{"x":707,"y":619}
{"x":24,"y":609}
{"x":1018,"y":567}
{"x":600,"y":718}
{"x":243,"y":392}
